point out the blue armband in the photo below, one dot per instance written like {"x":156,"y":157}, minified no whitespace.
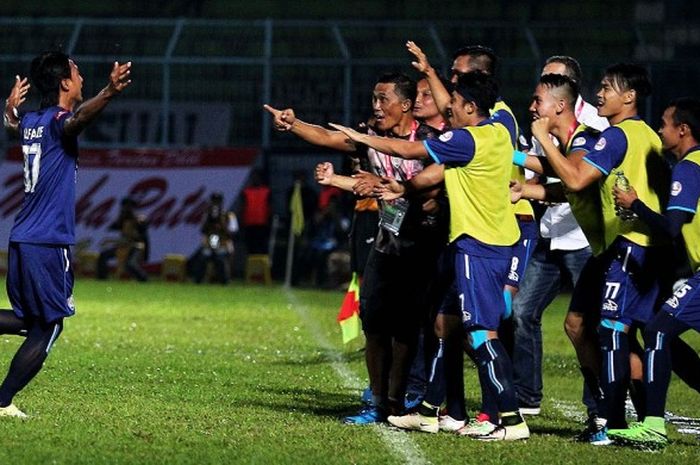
{"x":519,"y":158}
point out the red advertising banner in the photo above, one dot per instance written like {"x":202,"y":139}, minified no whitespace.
{"x":171,"y":189}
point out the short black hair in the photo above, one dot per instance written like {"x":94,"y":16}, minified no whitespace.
{"x":484,"y":56}
{"x":687,"y":112}
{"x":564,"y":83}
{"x":630,"y":76}
{"x":405,"y":87}
{"x":46,"y":73}
{"x":479,"y":88}
{"x":573,"y":69}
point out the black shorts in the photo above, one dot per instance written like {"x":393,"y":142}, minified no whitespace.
{"x":394,"y":294}
{"x":587,"y":296}
{"x":365,"y":225}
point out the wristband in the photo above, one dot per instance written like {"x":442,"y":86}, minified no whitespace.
{"x":519,"y":158}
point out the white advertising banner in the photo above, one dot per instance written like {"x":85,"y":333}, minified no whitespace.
{"x":170,"y":187}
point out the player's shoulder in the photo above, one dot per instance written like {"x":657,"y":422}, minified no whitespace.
{"x":425,"y":132}
{"x":611,"y":138}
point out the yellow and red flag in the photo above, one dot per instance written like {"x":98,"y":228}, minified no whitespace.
{"x":349,"y":315}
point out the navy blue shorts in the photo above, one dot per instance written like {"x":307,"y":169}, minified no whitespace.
{"x":684,"y":304}
{"x":478,"y":290}
{"x":631,"y":284}
{"x":40,"y":281}
{"x":522,"y":251}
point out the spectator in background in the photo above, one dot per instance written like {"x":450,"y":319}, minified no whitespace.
{"x":255,"y":214}
{"x":217,"y":242}
{"x":132,"y":246}
{"x":330,"y":233}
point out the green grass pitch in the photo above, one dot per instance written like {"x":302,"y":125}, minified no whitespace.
{"x":162,"y":373}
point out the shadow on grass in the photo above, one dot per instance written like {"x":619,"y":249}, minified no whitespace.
{"x":336,"y":404}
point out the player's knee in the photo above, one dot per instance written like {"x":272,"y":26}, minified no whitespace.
{"x":612,"y":335}
{"x":573,"y":326}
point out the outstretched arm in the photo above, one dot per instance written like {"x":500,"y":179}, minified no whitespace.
{"x":396,"y":147}
{"x":440,"y":95}
{"x":286,"y":121}
{"x":18,"y":95}
{"x":89,"y":110}
{"x":325,"y":175}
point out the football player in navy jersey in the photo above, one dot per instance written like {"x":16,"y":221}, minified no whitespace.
{"x":680,"y":134}
{"x":39,"y":275}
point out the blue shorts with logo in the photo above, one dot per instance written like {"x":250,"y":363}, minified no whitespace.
{"x":522,"y":251}
{"x":40,"y":281}
{"x":684,"y":304}
{"x":477,"y":290}
{"x":631,"y":285}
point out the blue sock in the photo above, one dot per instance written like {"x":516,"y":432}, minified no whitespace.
{"x":435,"y":393}
{"x":615,"y":373}
{"x":496,"y":369}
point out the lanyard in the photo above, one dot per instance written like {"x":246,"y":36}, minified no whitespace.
{"x":579,"y":109}
{"x":571,"y":132}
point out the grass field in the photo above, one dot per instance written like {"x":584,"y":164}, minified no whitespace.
{"x":162,"y":373}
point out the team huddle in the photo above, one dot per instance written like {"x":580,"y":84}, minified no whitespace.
{"x":460,"y":263}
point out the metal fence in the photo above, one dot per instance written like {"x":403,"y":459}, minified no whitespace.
{"x":324,"y":69}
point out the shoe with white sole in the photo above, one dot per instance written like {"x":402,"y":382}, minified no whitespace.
{"x":12,"y":411}
{"x":506,"y":433}
{"x":416,"y":422}
{"x":477,"y":426}
{"x":448,"y":424}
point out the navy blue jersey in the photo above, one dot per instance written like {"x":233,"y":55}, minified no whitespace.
{"x":609,"y":150}
{"x":47,"y":215}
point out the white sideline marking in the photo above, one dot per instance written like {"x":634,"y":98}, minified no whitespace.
{"x":398,"y":442}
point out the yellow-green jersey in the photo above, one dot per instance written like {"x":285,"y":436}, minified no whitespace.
{"x":633,"y":148}
{"x":502,"y":113}
{"x":585,"y":204}
{"x":477,"y":163}
{"x":685,"y":196}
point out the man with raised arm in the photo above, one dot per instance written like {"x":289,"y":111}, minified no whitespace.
{"x":473,"y":161}
{"x":40,"y":274}
{"x":633,"y":255}
{"x":400,"y":266}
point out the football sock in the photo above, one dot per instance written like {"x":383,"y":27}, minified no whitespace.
{"x":435,"y":393}
{"x":496,"y":369}
{"x":29,"y":359}
{"x":454,"y":378}
{"x":657,"y":360}
{"x":615,"y":374}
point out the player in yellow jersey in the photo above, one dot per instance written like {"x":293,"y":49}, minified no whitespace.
{"x":680,"y":133}
{"x":632,"y":258}
{"x":473,"y":160}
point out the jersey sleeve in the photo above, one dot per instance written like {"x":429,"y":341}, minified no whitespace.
{"x":508,"y":120}
{"x":584,"y":141}
{"x":453,"y":147}
{"x":685,"y":187}
{"x":58,"y":121}
{"x":609,"y":151}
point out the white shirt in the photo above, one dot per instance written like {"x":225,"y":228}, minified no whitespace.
{"x":558,"y":223}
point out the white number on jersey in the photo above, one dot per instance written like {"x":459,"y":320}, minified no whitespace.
{"x":32,"y":165}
